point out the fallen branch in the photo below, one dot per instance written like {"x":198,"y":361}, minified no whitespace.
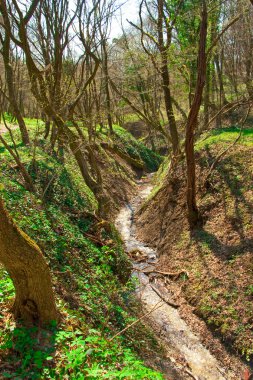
{"x":169,"y":274}
{"x":157,"y":306}
{"x":190,"y":374}
{"x":93,"y":238}
{"x":172,"y":304}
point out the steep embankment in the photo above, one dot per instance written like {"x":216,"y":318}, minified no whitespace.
{"x":88,"y":266}
{"x":120,"y":159}
{"x":218,"y":256}
{"x":186,"y":356}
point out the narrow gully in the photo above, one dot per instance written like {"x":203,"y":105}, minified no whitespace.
{"x":165,"y":319}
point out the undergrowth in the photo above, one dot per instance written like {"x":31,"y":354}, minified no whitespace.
{"x":137,"y":149}
{"x":93,"y":303}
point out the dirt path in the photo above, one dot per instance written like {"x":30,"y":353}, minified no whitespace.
{"x":187,"y":355}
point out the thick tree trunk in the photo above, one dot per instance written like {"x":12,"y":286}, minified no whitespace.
{"x":193,"y":214}
{"x":29,"y":272}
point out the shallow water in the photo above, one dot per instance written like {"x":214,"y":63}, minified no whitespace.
{"x":173,"y":330}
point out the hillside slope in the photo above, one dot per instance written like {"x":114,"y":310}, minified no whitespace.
{"x":218,"y":256}
{"x":89,"y":268}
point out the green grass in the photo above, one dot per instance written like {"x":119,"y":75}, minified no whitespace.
{"x":136,"y":149}
{"x":94,"y":304}
{"x":225,"y":135}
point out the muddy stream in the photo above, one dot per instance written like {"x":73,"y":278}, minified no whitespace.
{"x":185,"y":346}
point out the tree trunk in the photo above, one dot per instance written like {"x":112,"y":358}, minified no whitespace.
{"x":169,"y":109}
{"x":6,"y":48}
{"x":166,"y":78}
{"x":27,"y":267}
{"x":76,"y":148}
{"x":218,"y":64}
{"x":107,"y":89}
{"x":193,"y":214}
{"x":207,"y":94}
{"x":28,"y":182}
{"x":47,"y":128}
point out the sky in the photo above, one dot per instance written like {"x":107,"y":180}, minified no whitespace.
{"x":129,"y":10}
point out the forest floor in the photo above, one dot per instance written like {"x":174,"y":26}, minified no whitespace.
{"x":192,"y":350}
{"x":88,"y":266}
{"x":218,"y":254}
{"x":88,"y":263}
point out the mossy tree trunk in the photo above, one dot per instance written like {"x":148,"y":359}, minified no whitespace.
{"x":27,"y":267}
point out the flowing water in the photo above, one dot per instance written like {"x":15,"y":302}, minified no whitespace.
{"x":173,"y":330}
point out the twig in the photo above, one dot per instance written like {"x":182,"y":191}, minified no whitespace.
{"x":148,"y":271}
{"x":172,"y":304}
{"x":233,"y":21}
{"x":157,"y":306}
{"x":225,"y":109}
{"x":222,"y":154}
{"x":190,"y":374}
{"x":48,"y":184}
{"x":91,"y":237}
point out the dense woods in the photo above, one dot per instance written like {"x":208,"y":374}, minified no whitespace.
{"x":85,"y":117}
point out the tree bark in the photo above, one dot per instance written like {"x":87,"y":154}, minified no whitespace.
{"x":107,"y":89}
{"x":27,"y":267}
{"x":166,"y":78}
{"x":193,"y":213}
{"x":10,"y":81}
{"x":75,"y":144}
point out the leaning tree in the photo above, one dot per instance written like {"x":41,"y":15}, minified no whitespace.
{"x":28,"y":269}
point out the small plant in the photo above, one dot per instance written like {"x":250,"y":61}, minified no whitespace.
{"x":249,"y":290}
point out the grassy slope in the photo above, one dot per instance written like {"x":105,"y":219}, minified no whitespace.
{"x":136,"y":149}
{"x":94,"y":304}
{"x":219,"y":255}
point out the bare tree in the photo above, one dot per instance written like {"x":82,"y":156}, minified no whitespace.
{"x":160,"y":19}
{"x":56,"y":110}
